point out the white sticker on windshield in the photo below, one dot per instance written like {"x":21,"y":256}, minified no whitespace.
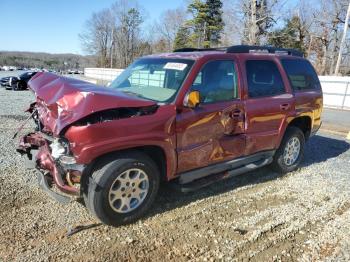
{"x":175,"y":66}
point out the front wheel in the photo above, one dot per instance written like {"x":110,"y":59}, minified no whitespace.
{"x":122,"y":188}
{"x":291,"y":151}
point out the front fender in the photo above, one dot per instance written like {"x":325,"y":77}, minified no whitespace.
{"x":92,"y":141}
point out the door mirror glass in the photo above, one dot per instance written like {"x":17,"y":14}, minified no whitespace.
{"x":192,"y":99}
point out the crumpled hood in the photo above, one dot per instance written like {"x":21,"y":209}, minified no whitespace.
{"x":62,"y":101}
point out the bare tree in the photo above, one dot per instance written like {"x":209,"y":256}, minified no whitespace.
{"x":252,"y":18}
{"x":114,"y":34}
{"x":96,"y":37}
{"x":128,"y":18}
{"x":233,"y":19}
{"x":167,"y":27}
{"x":329,"y":17}
{"x":259,"y":18}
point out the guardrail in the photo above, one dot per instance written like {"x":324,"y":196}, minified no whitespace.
{"x":336,"y":89}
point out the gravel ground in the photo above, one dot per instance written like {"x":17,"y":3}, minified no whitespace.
{"x":260,"y":216}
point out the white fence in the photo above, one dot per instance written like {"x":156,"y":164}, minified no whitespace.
{"x":336,"y":89}
{"x":105,"y":74}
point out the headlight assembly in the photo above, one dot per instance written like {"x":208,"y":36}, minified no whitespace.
{"x":59,"y":148}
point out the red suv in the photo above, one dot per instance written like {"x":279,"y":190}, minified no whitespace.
{"x":191,"y":117}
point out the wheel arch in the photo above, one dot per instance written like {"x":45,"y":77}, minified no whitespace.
{"x":156,"y":153}
{"x":304,"y":123}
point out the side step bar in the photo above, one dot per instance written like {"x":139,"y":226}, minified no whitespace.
{"x":208,"y":180}
{"x":192,"y":175}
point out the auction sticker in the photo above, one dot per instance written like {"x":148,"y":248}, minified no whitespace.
{"x":175,"y":66}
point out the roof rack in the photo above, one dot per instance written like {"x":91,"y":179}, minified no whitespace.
{"x":247,"y":49}
{"x":262,"y":49}
{"x":192,"y":49}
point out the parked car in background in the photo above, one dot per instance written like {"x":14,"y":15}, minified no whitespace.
{"x":17,"y":83}
{"x":189,"y":118}
{"x":5,"y":81}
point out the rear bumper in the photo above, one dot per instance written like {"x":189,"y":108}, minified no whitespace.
{"x":38,"y":155}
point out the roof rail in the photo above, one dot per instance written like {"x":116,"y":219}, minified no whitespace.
{"x":262,"y":49}
{"x":246,"y":49}
{"x":192,"y":49}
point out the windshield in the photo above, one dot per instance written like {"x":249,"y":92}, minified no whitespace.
{"x":157,"y":79}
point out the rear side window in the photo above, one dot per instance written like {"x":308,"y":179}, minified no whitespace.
{"x":301,"y":74}
{"x":264,"y":79}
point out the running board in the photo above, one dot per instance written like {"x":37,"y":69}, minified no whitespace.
{"x":208,"y":180}
{"x":195,"y":174}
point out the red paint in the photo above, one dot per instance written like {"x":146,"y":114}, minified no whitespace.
{"x":63,"y":101}
{"x":189,"y":138}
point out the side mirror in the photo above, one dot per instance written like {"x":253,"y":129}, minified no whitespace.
{"x":192,"y":99}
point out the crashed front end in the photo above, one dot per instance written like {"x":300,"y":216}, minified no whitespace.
{"x":52,"y":158}
{"x":63,"y":104}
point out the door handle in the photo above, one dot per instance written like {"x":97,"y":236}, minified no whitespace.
{"x":236,"y":114}
{"x":285,"y":106}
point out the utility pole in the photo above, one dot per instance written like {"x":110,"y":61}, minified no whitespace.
{"x":346,"y":25}
{"x":112,"y":43}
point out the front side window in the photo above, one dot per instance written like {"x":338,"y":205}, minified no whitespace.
{"x":301,"y":74}
{"x":157,"y":79}
{"x":217,"y":82}
{"x":264,"y":79}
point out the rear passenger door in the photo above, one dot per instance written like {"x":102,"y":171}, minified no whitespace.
{"x":268,"y":104}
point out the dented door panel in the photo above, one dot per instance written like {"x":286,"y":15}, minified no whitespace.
{"x":266,"y":123}
{"x":209,"y":134}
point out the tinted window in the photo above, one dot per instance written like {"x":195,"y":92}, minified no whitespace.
{"x":301,"y":74}
{"x":216,"y":82}
{"x":264,"y":79}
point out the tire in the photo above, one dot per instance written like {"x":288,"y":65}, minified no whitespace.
{"x":21,"y":85}
{"x":128,"y":202}
{"x":284,"y":162}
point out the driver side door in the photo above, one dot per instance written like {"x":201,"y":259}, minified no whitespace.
{"x":213,"y":131}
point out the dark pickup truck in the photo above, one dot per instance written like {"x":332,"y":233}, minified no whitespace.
{"x":190,"y":118}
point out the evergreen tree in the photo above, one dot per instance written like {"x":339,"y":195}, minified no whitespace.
{"x":182,"y":38}
{"x":292,"y":35}
{"x":215,"y":22}
{"x":207,"y":23}
{"x":199,"y":23}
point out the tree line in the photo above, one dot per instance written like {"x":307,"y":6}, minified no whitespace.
{"x":45,"y":60}
{"x":119,"y":34}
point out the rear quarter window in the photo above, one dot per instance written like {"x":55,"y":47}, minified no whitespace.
{"x":301,"y":74}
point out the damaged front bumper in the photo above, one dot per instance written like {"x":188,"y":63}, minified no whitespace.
{"x":65,"y":176}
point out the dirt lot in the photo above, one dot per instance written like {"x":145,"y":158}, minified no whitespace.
{"x":260,"y":216}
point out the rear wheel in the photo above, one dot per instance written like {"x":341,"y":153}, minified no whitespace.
{"x":122,"y":188}
{"x":291,"y":151}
